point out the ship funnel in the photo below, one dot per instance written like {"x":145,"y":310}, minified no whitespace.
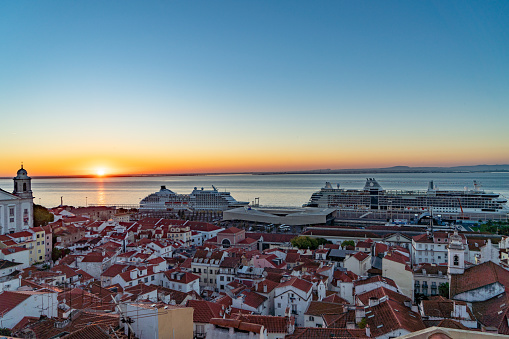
{"x":163,"y":187}
{"x":431,"y":186}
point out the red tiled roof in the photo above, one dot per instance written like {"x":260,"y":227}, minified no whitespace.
{"x":253,"y":299}
{"x":231,"y":230}
{"x":271,"y":285}
{"x":297,"y":283}
{"x":205,"y":310}
{"x":334,"y":298}
{"x":240,"y":325}
{"x":9,"y":300}
{"x":478,"y":276}
{"x":321,"y":307}
{"x":182,"y":277}
{"x":381,"y":292}
{"x":374,"y":279}
{"x":93,"y":257}
{"x":316,"y":333}
{"x":114,"y":270}
{"x":389,"y":316}
{"x":273,"y":324}
{"x":361,"y":256}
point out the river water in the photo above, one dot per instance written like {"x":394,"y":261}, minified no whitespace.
{"x":289,"y":190}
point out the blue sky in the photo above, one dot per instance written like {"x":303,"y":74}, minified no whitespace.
{"x":253,"y":84}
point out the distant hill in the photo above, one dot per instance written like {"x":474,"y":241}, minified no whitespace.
{"x":403,"y":169}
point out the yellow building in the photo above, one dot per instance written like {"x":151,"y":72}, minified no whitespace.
{"x":26,"y":239}
{"x":160,"y":321}
{"x":39,"y":244}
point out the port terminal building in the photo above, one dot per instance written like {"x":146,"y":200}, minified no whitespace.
{"x":291,"y":217}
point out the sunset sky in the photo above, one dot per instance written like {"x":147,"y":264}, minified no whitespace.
{"x":235,"y":86}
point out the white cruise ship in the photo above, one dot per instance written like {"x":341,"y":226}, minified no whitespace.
{"x":374,"y":202}
{"x":199,"y":199}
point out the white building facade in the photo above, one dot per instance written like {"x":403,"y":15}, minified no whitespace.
{"x":17,"y":209}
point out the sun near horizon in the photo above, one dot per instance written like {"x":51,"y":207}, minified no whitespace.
{"x":100,"y":172}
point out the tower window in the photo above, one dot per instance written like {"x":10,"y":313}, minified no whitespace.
{"x":456,"y":260}
{"x":24,"y":187}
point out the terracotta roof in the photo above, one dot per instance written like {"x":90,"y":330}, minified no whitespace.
{"x":9,"y":300}
{"x":381,"y":292}
{"x":240,"y":325}
{"x":93,"y":257}
{"x":253,"y":299}
{"x":292,"y":258}
{"x":321,"y":307}
{"x":375,"y":279}
{"x":361,"y":256}
{"x":297,"y":283}
{"x":271,"y":285}
{"x":230,"y":262}
{"x":231,"y":230}
{"x":114,"y":270}
{"x":389,"y":316}
{"x":90,"y":331}
{"x":179,"y":276}
{"x":431,"y":269}
{"x":493,"y":312}
{"x":204,"y":311}
{"x":478,"y":276}
{"x":273,"y":324}
{"x":334,"y":298}
{"x":343,"y":276}
{"x":316,"y":333}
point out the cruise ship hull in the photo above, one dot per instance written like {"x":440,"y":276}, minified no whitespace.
{"x":373,"y":202}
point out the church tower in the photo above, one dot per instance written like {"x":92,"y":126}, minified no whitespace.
{"x":456,"y":254}
{"x":22,"y":184}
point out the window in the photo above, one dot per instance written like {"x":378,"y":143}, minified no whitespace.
{"x":456,"y":260}
{"x":278,"y":305}
{"x":152,"y":278}
{"x":221,"y":278}
{"x":311,"y":318}
{"x":210,"y":280}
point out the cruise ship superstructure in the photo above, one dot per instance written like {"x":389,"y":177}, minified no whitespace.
{"x":373,"y":202}
{"x":199,"y":199}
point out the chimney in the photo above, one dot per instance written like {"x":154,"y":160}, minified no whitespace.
{"x":373,"y":301}
{"x":368,"y":331}
{"x":350,"y":325}
{"x":360,"y":313}
{"x":265,"y":288}
{"x":408,"y":303}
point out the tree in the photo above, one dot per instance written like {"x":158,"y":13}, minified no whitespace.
{"x":5,"y":331}
{"x":304,"y":242}
{"x":362,"y":324}
{"x":59,"y":253}
{"x":443,"y":290}
{"x":348,"y":243}
{"x":42,"y":216}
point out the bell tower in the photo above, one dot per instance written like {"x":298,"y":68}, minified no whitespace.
{"x":22,"y":184}
{"x":456,"y":254}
